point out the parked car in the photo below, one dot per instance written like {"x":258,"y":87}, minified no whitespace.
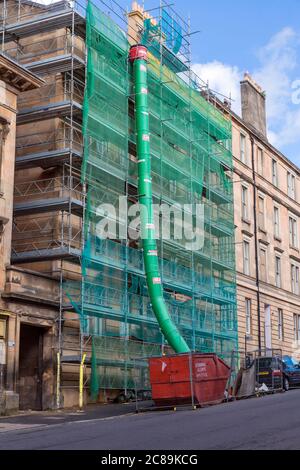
{"x":291,"y":371}
{"x":270,"y":371}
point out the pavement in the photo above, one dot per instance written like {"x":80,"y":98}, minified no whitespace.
{"x":67,"y":416}
{"x":267,"y":423}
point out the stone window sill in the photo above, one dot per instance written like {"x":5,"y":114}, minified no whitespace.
{"x":246,"y":221}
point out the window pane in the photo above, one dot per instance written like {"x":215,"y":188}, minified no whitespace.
{"x":246,"y":258}
{"x":260,"y":161}
{"x":243,"y":148}
{"x":291,"y":183}
{"x":293,"y":278}
{"x":261,"y":212}
{"x":293,"y":232}
{"x":274,"y":172}
{"x":248,"y":316}
{"x":263,"y":264}
{"x":295,"y":327}
{"x":278,"y":271}
{"x":280,"y":325}
{"x":276,"y":222}
{"x":244,"y":203}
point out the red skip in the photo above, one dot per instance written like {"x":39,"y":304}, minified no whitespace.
{"x":173,"y":378}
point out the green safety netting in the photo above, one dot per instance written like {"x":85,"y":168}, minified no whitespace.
{"x":191,"y":163}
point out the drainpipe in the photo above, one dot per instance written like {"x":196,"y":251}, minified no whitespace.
{"x":256,"y":243}
{"x":138,"y":57}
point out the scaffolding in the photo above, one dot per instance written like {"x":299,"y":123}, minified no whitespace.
{"x":49,"y":40}
{"x":191,"y":164}
{"x":83,"y":155}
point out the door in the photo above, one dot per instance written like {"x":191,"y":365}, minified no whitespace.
{"x":30,"y":367}
{"x":268,"y":327}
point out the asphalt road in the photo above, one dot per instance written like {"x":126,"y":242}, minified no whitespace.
{"x":271,"y":422}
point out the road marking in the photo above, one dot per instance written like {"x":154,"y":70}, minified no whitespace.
{"x":54,"y":417}
{"x":17,"y":427}
{"x":109,"y":418}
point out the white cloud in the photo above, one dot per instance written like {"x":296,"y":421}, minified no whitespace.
{"x":278,"y":60}
{"x":278,"y":65}
{"x":288,"y":131}
{"x":223,"y":79}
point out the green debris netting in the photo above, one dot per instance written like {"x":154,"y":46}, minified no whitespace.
{"x":94,"y":382}
{"x":191,"y":163}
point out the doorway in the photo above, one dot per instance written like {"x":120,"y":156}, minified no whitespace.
{"x":31,"y":367}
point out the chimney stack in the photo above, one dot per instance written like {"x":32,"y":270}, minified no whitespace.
{"x":253,"y":104}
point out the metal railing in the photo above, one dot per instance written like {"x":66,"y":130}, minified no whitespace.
{"x":42,"y":235}
{"x":63,"y":136}
{"x":59,"y":186}
{"x":115,"y":253}
{"x":18,"y":11}
{"x":59,"y":90}
{"x":54,"y":46}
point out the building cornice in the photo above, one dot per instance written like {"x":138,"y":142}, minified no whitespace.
{"x":16,"y":76}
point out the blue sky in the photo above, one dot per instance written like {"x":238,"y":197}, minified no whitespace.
{"x":258,"y":36}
